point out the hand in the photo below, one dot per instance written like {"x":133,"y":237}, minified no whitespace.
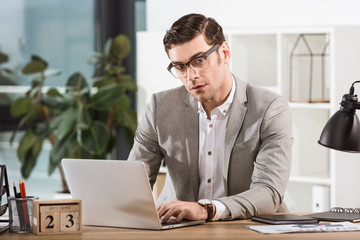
{"x":181,"y":210}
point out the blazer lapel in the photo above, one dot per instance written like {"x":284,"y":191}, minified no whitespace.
{"x":235,"y":121}
{"x":192,"y":140}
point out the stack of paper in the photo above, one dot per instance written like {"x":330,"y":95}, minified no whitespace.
{"x":316,"y":227}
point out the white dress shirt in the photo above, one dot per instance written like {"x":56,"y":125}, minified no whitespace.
{"x":211,"y":154}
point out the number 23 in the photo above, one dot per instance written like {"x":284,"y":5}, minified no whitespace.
{"x":51,"y":224}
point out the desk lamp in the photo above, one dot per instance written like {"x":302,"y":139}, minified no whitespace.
{"x":342,"y":131}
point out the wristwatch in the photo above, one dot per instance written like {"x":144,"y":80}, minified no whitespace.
{"x":208,"y":204}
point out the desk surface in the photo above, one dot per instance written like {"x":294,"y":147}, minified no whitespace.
{"x":214,"y":230}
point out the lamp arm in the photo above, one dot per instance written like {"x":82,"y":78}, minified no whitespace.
{"x":352,"y":89}
{"x":350,"y":101}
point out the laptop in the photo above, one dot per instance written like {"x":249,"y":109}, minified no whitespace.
{"x":115,"y":193}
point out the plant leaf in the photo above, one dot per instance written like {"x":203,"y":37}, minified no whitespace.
{"x":106,"y":97}
{"x":53,"y":92}
{"x":83,"y":118}
{"x":3,"y":58}
{"x":128,"y":82}
{"x":130,"y":120}
{"x":104,"y":81}
{"x":121,"y":46}
{"x":53,"y":102}
{"x":129,"y":136}
{"x":95,"y":139}
{"x":115,"y":70}
{"x":107,"y":46}
{"x":37,"y":58}
{"x":28,"y":151}
{"x":95,"y":57}
{"x":21,"y":106}
{"x":31,"y":159}
{"x":42,"y":130}
{"x":36,"y":65}
{"x":47,"y":73}
{"x":52,"y":72}
{"x":127,"y":118}
{"x":63,"y":147}
{"x":7,"y":70}
{"x":76,"y":82}
{"x":26,"y":142}
{"x":67,"y":124}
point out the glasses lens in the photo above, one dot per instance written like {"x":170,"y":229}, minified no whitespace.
{"x":179,"y":71}
{"x":199,"y":63}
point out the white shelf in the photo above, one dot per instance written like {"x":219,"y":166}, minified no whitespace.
{"x":310,"y":180}
{"x":297,"y":105}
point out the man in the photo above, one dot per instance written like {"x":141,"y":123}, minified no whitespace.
{"x":226,"y":144}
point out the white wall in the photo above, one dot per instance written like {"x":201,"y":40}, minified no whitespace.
{"x":256,"y":13}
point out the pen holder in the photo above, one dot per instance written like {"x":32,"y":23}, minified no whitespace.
{"x":20,"y":214}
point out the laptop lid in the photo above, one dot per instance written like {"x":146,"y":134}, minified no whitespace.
{"x":114,"y":193}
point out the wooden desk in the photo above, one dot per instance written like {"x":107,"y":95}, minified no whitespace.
{"x":215,"y":230}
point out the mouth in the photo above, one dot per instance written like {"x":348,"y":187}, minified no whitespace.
{"x":198,"y":88}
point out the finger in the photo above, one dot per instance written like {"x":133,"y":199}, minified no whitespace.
{"x":171,"y":212}
{"x":163,"y":210}
{"x":181,"y":216}
{"x":159,"y":207}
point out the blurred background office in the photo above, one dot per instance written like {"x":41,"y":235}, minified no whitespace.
{"x":66,"y":32}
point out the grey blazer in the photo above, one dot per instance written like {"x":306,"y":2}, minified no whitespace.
{"x":257,"y":155}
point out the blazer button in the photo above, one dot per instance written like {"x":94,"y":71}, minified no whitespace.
{"x":209,"y":153}
{"x":209,"y":180}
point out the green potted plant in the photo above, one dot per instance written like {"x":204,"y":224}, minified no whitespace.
{"x":79,"y":122}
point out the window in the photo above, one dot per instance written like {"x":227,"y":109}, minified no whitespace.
{"x":60,"y":32}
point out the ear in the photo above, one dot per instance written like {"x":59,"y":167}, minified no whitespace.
{"x":225,"y":52}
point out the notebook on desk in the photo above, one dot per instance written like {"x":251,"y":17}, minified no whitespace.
{"x":284,"y":219}
{"x":115,"y":193}
{"x":338,"y":214}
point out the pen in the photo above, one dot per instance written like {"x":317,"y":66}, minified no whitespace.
{"x":15,"y":192}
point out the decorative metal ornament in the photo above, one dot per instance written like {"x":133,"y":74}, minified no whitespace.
{"x":309,"y":66}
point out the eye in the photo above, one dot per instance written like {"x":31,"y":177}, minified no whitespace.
{"x":198,"y":61}
{"x":180,"y":67}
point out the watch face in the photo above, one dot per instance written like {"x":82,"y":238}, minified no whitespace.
{"x":205,"y":201}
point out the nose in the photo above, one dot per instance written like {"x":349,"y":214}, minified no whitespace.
{"x":191,"y":73}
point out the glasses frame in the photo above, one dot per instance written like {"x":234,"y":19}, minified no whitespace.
{"x":205,"y":56}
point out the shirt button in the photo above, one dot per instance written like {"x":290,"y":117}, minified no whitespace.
{"x":210,"y":126}
{"x":209,"y":180}
{"x":209,"y":153}
{"x":224,"y":111}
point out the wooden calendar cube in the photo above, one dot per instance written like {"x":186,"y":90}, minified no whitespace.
{"x":69,"y":221}
{"x":57,"y":216}
{"x":49,"y":220}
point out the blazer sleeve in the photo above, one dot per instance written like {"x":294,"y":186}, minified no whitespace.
{"x":146,"y":147}
{"x":271,"y":166}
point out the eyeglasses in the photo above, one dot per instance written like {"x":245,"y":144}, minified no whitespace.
{"x":198,"y":63}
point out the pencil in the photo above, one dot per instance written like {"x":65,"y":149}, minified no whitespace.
{"x":22,"y":189}
{"x":26,"y":217}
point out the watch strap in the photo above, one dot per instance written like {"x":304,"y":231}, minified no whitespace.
{"x":209,"y":206}
{"x":210,"y":211}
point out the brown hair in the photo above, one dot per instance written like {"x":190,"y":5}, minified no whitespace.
{"x":190,"y":26}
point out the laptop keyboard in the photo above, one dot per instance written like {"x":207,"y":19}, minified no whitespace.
{"x":172,"y":221}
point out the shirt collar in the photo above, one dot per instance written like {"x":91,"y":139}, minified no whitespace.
{"x":223,"y":108}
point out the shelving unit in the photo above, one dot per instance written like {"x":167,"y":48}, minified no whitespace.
{"x":262,"y":58}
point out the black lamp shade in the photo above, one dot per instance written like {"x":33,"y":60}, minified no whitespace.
{"x":342,"y":132}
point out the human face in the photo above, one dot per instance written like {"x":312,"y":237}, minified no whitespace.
{"x":212,"y":85}
{"x":197,"y":63}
